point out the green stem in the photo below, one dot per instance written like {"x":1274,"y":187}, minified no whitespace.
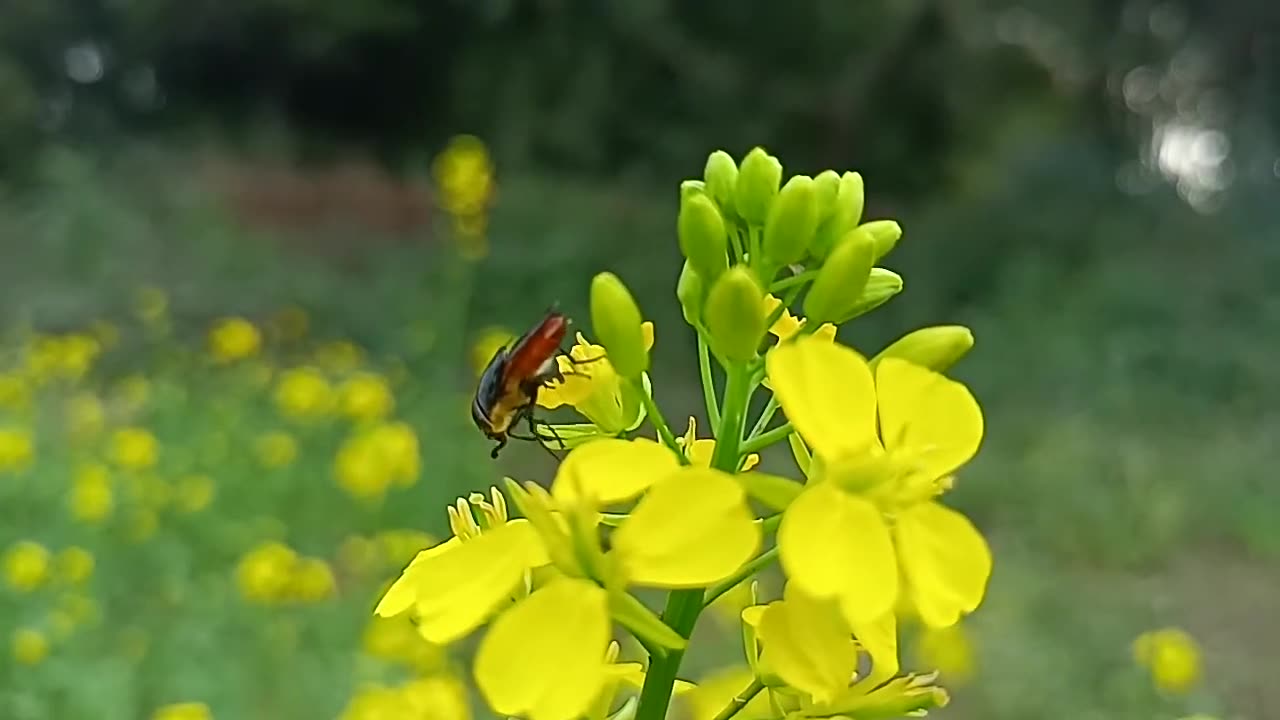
{"x":684,"y":606}
{"x":740,"y":700}
{"x":765,"y":439}
{"x":659,"y":422}
{"x":735,"y":242}
{"x":752,"y":567}
{"x":798,"y":279}
{"x":765,"y":416}
{"x":708,"y":382}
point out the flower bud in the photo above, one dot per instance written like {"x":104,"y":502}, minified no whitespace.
{"x":791,"y":222}
{"x":840,"y":281}
{"x":844,"y":215}
{"x":882,"y":285}
{"x":735,"y":314}
{"x":691,"y":188}
{"x":937,"y":348}
{"x":758,"y":180}
{"x":702,"y":236}
{"x":885,"y":233}
{"x":616,"y":320}
{"x":721,"y":177}
{"x":826,"y":188}
{"x":691,"y":291}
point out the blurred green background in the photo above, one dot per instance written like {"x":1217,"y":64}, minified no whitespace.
{"x":1090,"y":186}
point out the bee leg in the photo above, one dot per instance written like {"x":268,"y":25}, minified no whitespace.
{"x":533,"y":427}
{"x":498,"y":448}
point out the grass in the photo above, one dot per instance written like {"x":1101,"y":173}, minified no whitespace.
{"x":1123,"y":480}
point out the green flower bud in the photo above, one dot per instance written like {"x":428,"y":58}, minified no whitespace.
{"x":691,"y":188}
{"x":826,"y":187}
{"x":844,"y":216}
{"x":691,"y":291}
{"x":702,"y":236}
{"x":735,"y":314}
{"x":937,"y":348}
{"x":882,"y":285}
{"x":758,"y":180}
{"x":616,"y":320}
{"x":885,"y":233}
{"x":721,"y":176}
{"x":840,"y":281}
{"x":791,"y":222}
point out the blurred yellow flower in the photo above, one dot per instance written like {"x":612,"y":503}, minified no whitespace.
{"x":441,"y":697}
{"x":91,"y":499}
{"x":464,"y":176}
{"x":396,"y":640}
{"x":183,"y":711}
{"x":366,"y":396}
{"x":949,"y":651}
{"x":85,"y":416}
{"x":151,"y":304}
{"x":134,"y":448}
{"x":400,"y":546}
{"x":264,"y":573}
{"x":487,"y":343}
{"x":26,"y":565}
{"x":15,"y":393}
{"x":193,"y":493}
{"x":312,"y":580}
{"x":74,"y":565}
{"x":1172,"y":657}
{"x":339,"y":356}
{"x":17,"y":449}
{"x":29,"y":646}
{"x":65,"y":356}
{"x":303,"y":393}
{"x":133,"y":392}
{"x":373,"y":459}
{"x":234,"y":338}
{"x":276,"y":449}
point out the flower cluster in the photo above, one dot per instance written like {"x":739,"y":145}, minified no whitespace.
{"x":773,"y":269}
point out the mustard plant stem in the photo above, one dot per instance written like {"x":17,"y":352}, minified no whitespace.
{"x":794,"y":280}
{"x":765,"y":416}
{"x":740,"y":700}
{"x":760,"y":562}
{"x":708,"y":383}
{"x":765,"y":439}
{"x":659,"y":422}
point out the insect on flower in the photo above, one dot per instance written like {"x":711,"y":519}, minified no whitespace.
{"x":508,"y":388}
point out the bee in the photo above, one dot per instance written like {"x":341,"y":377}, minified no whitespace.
{"x":508,"y":389}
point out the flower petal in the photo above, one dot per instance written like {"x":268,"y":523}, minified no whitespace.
{"x":807,"y":643}
{"x":692,"y":529}
{"x":545,"y":657}
{"x":924,"y":414}
{"x":827,"y":393}
{"x":833,"y":544}
{"x":402,"y":593}
{"x":611,"y":470}
{"x":945,"y":560}
{"x":455,"y":591}
{"x":879,"y":638}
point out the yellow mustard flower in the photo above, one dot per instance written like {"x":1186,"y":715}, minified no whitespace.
{"x":395,"y":639}
{"x":366,"y":396}
{"x":85,"y":416}
{"x":867,"y":517}
{"x":375,"y":458}
{"x":441,"y":697}
{"x":276,"y":449}
{"x":134,"y":448}
{"x":66,"y":356}
{"x":700,"y":451}
{"x":26,"y":565}
{"x":593,"y":388}
{"x":194,"y":493}
{"x":464,"y":176}
{"x":787,"y":325}
{"x":15,"y":392}
{"x":74,"y":565}
{"x":304,"y":393}
{"x":312,"y":580}
{"x":91,"y":499}
{"x":950,"y":651}
{"x":183,"y":711}
{"x":234,"y":338}
{"x":29,"y":646}
{"x":17,"y":449}
{"x":339,"y":356}
{"x":265,"y":573}
{"x":1172,"y":657}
